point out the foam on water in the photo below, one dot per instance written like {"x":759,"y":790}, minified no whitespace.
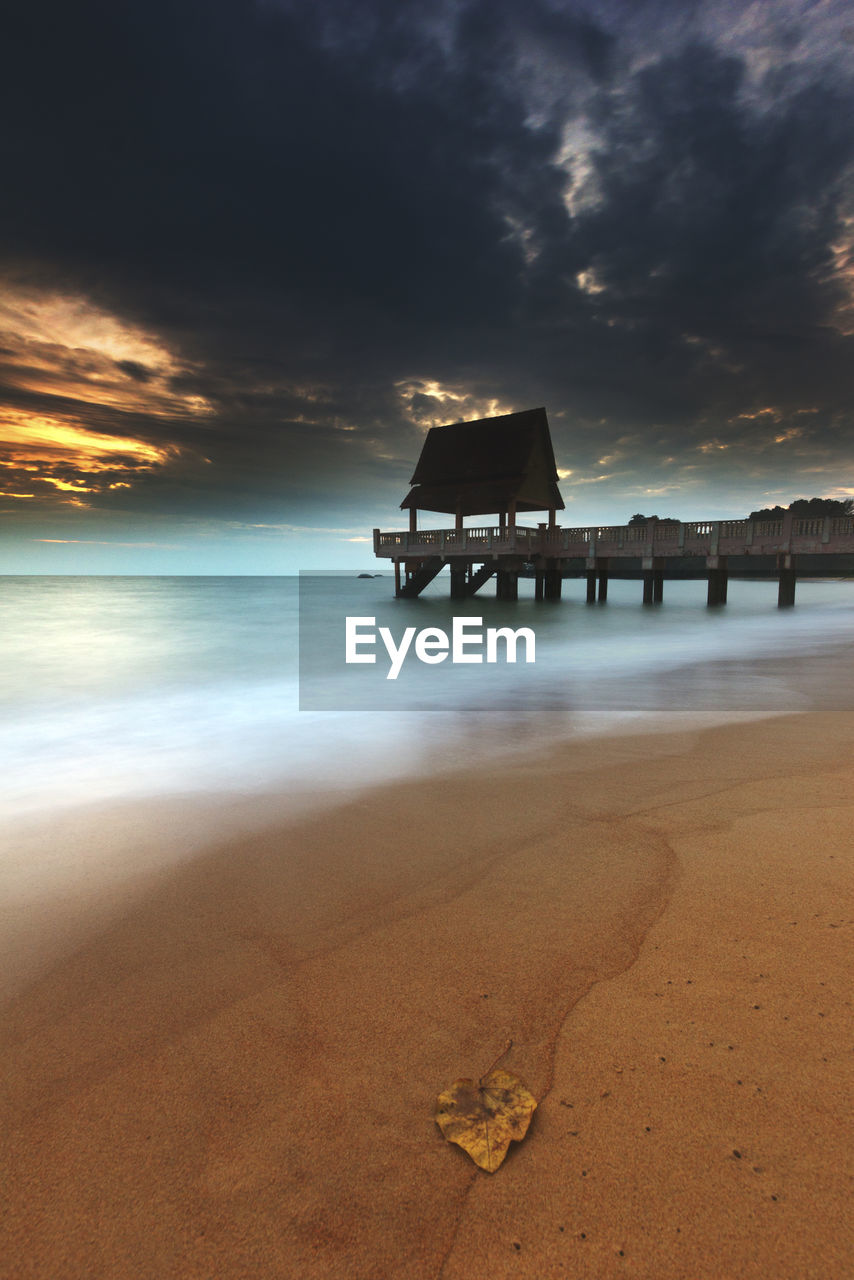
{"x":127,"y":687}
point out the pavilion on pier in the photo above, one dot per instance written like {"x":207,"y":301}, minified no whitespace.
{"x":499,"y":467}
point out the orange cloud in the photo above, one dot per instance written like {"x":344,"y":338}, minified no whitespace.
{"x":72,"y":353}
{"x":55,"y":344}
{"x":712,"y":446}
{"x":40,"y":450}
{"x":29,"y":433}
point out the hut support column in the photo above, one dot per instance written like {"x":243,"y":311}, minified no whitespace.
{"x":539,"y":584}
{"x":508,"y":584}
{"x":788,"y":578}
{"x":413,"y":519}
{"x":458,"y":582}
{"x":397,"y":577}
{"x":552,"y":580}
{"x":511,"y":519}
{"x":717,"y":573}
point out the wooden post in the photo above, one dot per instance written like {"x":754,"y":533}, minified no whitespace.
{"x":458,"y":519}
{"x":539,"y":583}
{"x":397,"y":577}
{"x":597,"y":571}
{"x":716,"y":592}
{"x":552,"y":517}
{"x":413,"y":519}
{"x":458,"y":582}
{"x":511,"y":517}
{"x":716,"y":569}
{"x":552,"y":580}
{"x":508,"y":584}
{"x":788,"y":578}
{"x":653,"y":579}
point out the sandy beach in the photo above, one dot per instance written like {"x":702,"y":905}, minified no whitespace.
{"x":228,"y":1068}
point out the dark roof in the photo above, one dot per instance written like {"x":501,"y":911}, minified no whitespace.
{"x":485,"y":465}
{"x":477,"y":498}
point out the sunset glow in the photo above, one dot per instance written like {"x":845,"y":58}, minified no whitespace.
{"x":428,"y":403}
{"x":68,"y":458}
{"x":74,"y":444}
{"x":60,"y":345}
{"x":74,"y":355}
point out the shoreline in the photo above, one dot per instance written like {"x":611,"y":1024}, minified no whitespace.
{"x":238,"y":1071}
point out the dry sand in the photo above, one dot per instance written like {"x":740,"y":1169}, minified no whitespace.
{"x":234,"y":1077}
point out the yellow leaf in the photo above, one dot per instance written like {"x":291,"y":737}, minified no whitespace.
{"x":485,"y":1116}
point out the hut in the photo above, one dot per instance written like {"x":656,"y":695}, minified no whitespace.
{"x":493,"y":466}
{"x":497,"y":467}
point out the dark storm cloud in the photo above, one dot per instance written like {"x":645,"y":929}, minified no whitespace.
{"x":218,"y":149}
{"x":711,"y":232}
{"x":620,"y":212}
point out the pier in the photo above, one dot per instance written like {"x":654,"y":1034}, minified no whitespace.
{"x":477,"y":554}
{"x":505,"y":465}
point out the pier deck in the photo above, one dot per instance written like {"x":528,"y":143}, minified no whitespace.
{"x":504,"y":550}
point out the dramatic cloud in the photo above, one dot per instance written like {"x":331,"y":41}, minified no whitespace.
{"x":254,"y":248}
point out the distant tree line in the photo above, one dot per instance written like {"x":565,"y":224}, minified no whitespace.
{"x":803,"y":508}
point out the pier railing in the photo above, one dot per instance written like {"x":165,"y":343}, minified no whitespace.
{"x":830,"y":534}
{"x":431,"y":542}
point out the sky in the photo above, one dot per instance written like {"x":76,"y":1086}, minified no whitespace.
{"x":251,"y":250}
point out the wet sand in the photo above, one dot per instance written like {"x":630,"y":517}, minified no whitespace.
{"x":231,"y":1072}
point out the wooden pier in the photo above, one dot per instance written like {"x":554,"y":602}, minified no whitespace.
{"x":477,"y":554}
{"x":506,"y":465}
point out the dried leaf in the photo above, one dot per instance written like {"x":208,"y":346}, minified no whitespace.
{"x":485,"y":1116}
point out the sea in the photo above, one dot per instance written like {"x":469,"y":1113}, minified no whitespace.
{"x":129,"y":688}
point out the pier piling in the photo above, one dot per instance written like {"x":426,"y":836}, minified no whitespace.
{"x":716,"y":568}
{"x":597,"y":573}
{"x":653,"y":580}
{"x":458,"y":582}
{"x":787,"y":580}
{"x":508,"y":584}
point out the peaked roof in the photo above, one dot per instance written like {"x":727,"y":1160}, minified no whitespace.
{"x":482,"y":467}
